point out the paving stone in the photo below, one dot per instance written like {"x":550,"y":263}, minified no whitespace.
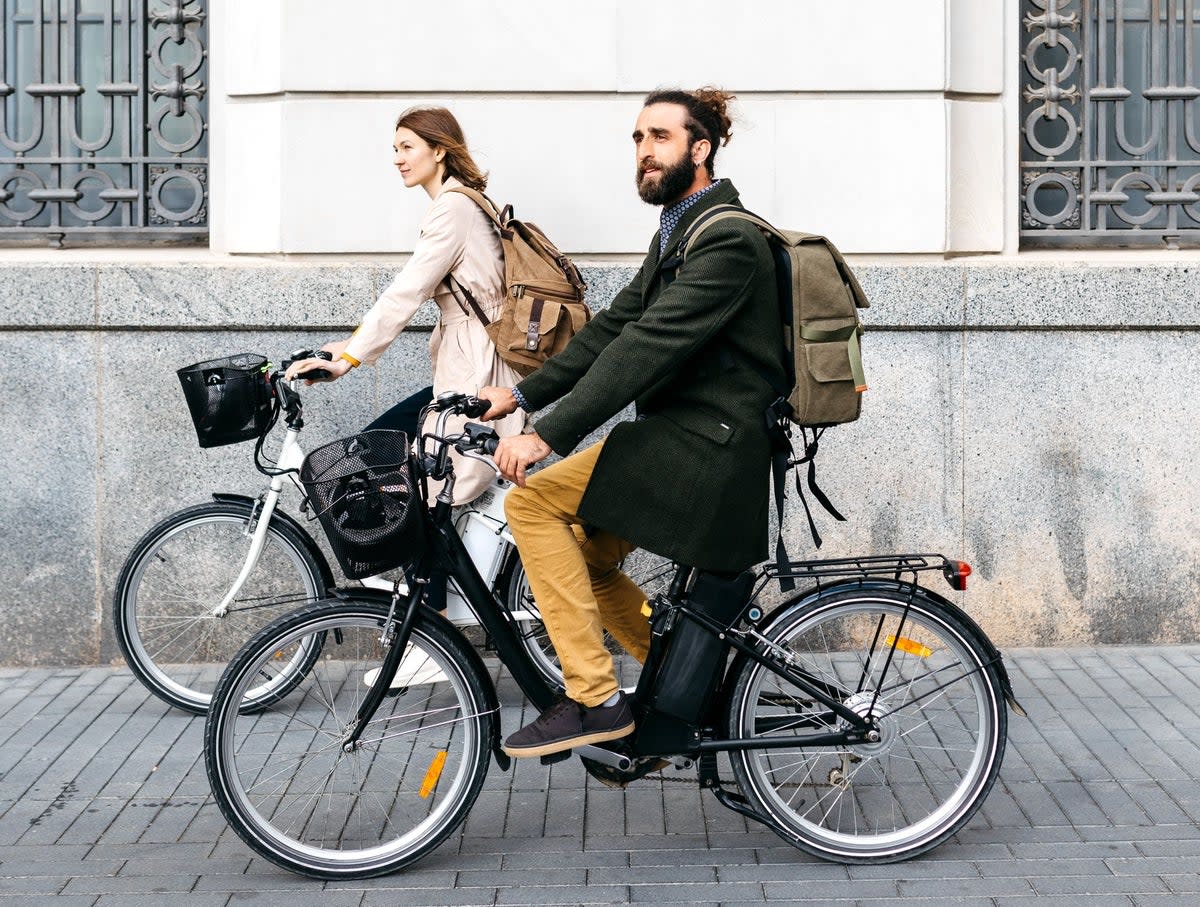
{"x":420,"y":897}
{"x":324,"y":898}
{"x":1097,"y":806}
{"x":1099,"y":884}
{"x":132,"y":885}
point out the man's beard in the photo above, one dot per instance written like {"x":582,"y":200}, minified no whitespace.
{"x":672,"y":182}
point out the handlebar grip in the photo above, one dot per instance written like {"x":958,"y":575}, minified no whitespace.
{"x":478,"y":437}
{"x":317,"y":374}
{"x":473,"y":408}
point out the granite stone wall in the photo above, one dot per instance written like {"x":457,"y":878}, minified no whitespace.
{"x":1037,"y":420}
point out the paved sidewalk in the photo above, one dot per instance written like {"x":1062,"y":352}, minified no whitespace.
{"x":104,"y":801}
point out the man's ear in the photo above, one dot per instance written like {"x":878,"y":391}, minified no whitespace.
{"x":700,"y":150}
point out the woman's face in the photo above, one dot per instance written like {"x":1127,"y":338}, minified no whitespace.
{"x":419,"y":163}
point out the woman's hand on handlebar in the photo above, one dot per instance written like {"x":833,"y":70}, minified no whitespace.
{"x":514,"y":454}
{"x":334,"y":368}
{"x":502,"y":400}
{"x":337,"y":347}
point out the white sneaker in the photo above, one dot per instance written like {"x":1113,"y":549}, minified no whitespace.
{"x":415,"y":669}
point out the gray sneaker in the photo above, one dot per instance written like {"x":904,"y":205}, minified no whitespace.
{"x":567,"y":724}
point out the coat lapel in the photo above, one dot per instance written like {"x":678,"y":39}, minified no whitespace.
{"x":723,"y":194}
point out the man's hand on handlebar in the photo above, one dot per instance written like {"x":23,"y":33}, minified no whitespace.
{"x":502,"y":400}
{"x":514,"y":454}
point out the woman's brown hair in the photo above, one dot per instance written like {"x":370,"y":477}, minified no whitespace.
{"x":438,"y":127}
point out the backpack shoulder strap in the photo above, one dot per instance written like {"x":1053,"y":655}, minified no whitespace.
{"x":725,"y":212}
{"x":485,"y":203}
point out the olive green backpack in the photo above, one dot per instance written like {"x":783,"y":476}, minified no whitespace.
{"x":819,"y":298}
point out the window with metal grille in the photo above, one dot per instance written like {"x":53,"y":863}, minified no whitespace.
{"x":103,"y":121}
{"x":1110,"y":134}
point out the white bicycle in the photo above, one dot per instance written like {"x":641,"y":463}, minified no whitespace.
{"x":203,"y":581}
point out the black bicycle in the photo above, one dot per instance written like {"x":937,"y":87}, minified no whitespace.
{"x":864,"y":718}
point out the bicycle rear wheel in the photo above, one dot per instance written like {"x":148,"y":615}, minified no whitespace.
{"x":165,"y":604}
{"x":910,"y":663}
{"x":287,"y":784}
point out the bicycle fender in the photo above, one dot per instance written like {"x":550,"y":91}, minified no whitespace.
{"x":292,"y":523}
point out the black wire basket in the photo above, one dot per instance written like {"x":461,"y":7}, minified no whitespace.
{"x":229,"y":398}
{"x":363,"y":489}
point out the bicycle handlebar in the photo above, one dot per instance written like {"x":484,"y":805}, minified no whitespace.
{"x":316,"y":374}
{"x":482,"y":438}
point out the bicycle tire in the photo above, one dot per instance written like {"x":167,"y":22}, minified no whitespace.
{"x":163,"y":603}
{"x":283,"y":779}
{"x":943,"y":724}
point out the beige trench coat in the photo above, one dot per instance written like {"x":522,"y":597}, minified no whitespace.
{"x":456,"y":238}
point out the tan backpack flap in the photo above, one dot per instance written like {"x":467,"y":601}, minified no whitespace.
{"x":536,"y":323}
{"x":543,"y":306}
{"x":535,"y":264}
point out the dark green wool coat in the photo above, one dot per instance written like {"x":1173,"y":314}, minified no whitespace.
{"x":689,"y":478}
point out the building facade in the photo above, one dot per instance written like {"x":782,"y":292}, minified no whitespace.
{"x":1014,"y":180}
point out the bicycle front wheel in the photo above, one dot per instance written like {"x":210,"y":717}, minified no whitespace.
{"x":911,"y":666}
{"x":166,"y":618}
{"x":293,"y":787}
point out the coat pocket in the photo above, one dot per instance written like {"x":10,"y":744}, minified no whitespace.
{"x":705,"y":425}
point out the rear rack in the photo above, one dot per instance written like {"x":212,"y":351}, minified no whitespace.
{"x":889,"y":565}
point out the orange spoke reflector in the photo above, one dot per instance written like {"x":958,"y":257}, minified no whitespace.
{"x":435,"y":772}
{"x":912,"y":647}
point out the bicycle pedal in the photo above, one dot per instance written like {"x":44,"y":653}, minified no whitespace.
{"x":556,"y":757}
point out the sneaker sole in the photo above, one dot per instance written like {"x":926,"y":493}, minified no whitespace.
{"x":549,"y":749}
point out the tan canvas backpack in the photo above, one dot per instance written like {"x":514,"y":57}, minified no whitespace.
{"x":543,"y":306}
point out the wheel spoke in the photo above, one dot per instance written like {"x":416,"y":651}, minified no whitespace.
{"x":935,"y":746}
{"x":288,"y":779}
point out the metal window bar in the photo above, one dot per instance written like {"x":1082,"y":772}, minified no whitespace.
{"x":1109,"y":144}
{"x":103,"y":121}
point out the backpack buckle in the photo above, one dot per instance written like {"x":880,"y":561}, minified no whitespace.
{"x":778,"y":415}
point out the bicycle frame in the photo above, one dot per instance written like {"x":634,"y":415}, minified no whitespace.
{"x":447,"y":552}
{"x":291,"y":456}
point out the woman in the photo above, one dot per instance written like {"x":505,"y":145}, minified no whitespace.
{"x":458,"y":247}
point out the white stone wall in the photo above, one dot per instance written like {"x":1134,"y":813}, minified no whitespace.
{"x":881,"y":124}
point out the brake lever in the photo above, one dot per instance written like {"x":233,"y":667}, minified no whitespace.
{"x":483,"y":458}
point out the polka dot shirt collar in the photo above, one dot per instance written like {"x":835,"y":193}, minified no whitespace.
{"x":672,"y":214}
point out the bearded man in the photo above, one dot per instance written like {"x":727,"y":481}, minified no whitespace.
{"x":691,"y":344}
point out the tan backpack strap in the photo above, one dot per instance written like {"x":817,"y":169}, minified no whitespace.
{"x":452,"y":283}
{"x":488,"y":206}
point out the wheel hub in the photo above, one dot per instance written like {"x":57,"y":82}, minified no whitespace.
{"x":884,"y":731}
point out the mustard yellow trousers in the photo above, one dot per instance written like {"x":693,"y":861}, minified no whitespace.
{"x":575,"y":577}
